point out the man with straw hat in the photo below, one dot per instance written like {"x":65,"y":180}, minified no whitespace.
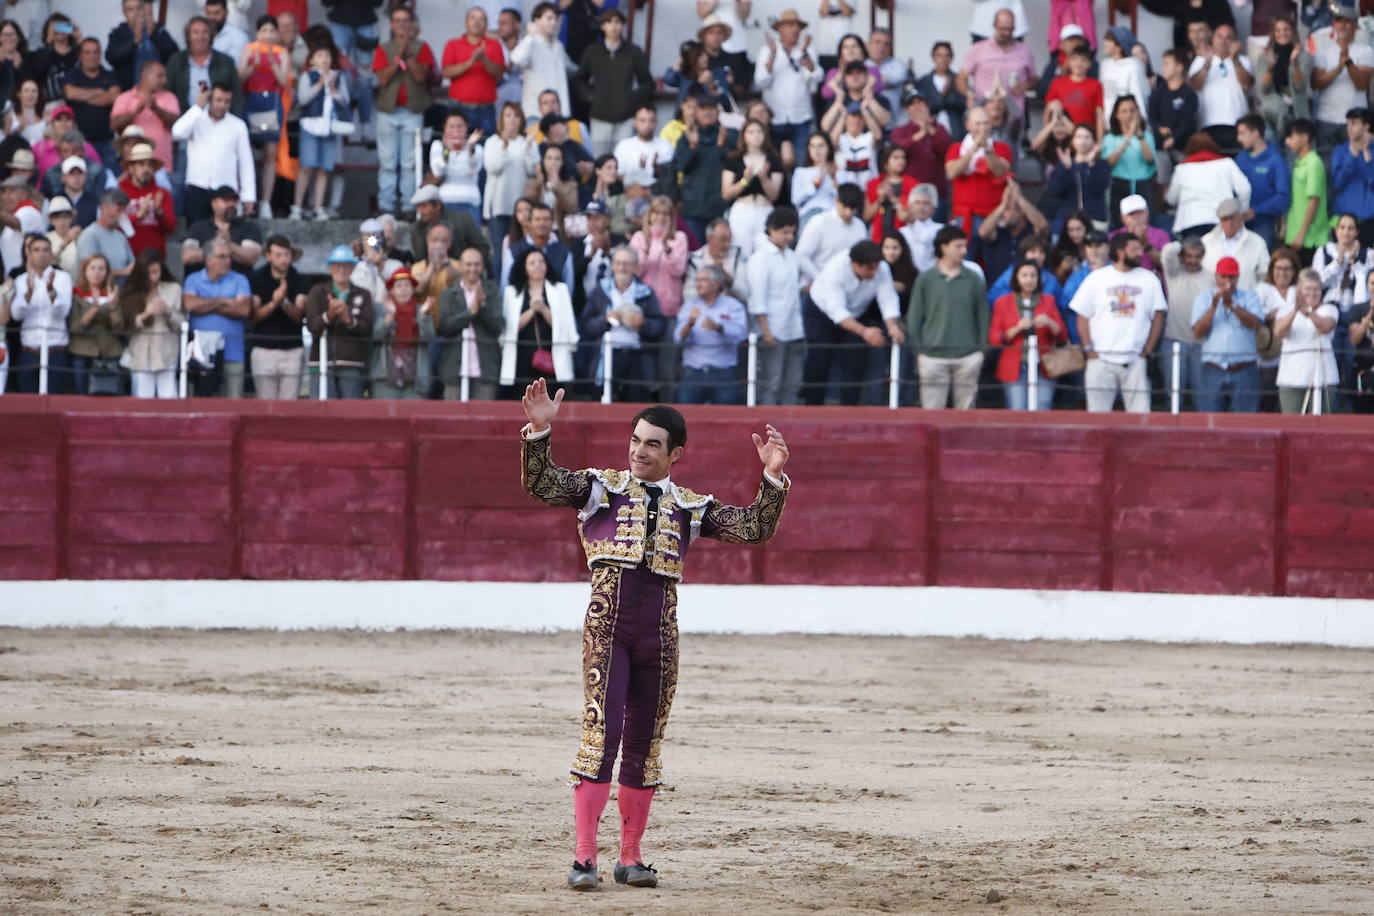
{"x":787,"y":74}
{"x":713,"y":33}
{"x":150,"y":207}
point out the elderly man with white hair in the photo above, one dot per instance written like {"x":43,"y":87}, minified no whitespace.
{"x":921,"y":225}
{"x":709,"y":329}
{"x":625,"y":308}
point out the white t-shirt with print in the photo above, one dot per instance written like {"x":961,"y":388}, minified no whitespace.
{"x":1119,"y":306}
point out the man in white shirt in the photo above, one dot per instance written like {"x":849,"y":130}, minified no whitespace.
{"x":1230,"y":239}
{"x":217,"y":152}
{"x":1120,"y":311}
{"x":774,"y":281}
{"x":639,"y":157}
{"x":828,"y":234}
{"x":1221,"y":78}
{"x":42,"y":302}
{"x":841,"y":307}
{"x":787,"y":74}
{"x":1341,"y":70}
{"x":921,"y":225}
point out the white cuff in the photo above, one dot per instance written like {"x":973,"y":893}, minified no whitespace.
{"x":530,"y":437}
{"x":784,"y":484}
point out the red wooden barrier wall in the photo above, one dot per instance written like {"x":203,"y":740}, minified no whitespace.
{"x":389,"y":490}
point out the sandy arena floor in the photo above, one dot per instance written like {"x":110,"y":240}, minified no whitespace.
{"x":193,"y":772}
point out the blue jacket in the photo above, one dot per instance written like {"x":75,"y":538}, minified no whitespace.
{"x":1070,"y":288}
{"x":1352,"y":183}
{"x":1270,"y":181}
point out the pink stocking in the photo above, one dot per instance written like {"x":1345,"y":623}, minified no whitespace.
{"x":589,"y":800}
{"x":634,"y":816}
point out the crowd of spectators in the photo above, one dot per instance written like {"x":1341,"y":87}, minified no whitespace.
{"x":1120,"y":223}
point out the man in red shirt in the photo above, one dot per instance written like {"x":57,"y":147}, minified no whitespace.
{"x":150,"y":207}
{"x":1079,"y":95}
{"x":977,"y":171}
{"x":474,"y":65}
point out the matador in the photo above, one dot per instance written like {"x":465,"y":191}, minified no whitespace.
{"x":636,"y":527}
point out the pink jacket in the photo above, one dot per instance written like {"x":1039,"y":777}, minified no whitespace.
{"x":662,"y":267}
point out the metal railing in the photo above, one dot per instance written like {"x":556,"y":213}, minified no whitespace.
{"x":599,"y":380}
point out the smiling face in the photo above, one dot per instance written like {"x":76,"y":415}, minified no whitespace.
{"x":1347,"y":231}
{"x":650,"y":457}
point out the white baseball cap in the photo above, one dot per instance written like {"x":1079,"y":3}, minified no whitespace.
{"x":71,"y":163}
{"x":59,"y":204}
{"x":1133,"y":203}
{"x":1072,"y":30}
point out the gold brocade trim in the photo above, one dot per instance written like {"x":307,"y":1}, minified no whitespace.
{"x":667,"y":684}
{"x":546,"y":481}
{"x":751,"y":524}
{"x":598,"y":632}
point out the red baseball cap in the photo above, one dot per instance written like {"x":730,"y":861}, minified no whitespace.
{"x":62,"y":111}
{"x":1228,"y":267}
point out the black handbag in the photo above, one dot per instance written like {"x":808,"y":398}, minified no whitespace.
{"x":105,"y":378}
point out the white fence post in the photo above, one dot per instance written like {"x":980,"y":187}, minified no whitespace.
{"x":751,"y":388}
{"x":464,"y":383}
{"x":1032,"y":371}
{"x":183,"y":356}
{"x":324,"y":364}
{"x":1175,"y":373}
{"x":894,"y":377}
{"x":43,"y":364}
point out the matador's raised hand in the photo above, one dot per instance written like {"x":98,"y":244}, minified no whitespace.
{"x":540,"y":408}
{"x":772,"y":452}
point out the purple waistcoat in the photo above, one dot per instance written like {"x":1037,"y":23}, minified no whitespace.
{"x":612,"y":524}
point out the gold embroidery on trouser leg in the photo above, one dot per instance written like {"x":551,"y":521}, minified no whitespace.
{"x":598,"y":633}
{"x":667,"y":683}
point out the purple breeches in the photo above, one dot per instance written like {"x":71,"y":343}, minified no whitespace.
{"x":629,"y":673}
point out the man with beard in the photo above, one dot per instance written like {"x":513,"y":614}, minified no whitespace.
{"x":1120,"y":311}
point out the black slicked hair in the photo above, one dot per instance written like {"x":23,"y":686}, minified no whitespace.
{"x":667,"y":418}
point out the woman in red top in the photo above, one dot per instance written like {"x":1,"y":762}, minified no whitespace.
{"x":265,"y":71}
{"x":887,"y":193}
{"x":1027,"y":307}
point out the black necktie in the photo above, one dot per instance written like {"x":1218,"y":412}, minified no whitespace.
{"x":651,"y":511}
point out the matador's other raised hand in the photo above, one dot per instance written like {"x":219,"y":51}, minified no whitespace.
{"x":772,"y":452}
{"x":540,"y":408}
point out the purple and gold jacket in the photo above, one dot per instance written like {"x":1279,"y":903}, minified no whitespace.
{"x":611,"y":513}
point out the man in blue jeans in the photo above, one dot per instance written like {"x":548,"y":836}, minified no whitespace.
{"x":709,"y":330}
{"x":402,"y":67}
{"x":1224,"y":320}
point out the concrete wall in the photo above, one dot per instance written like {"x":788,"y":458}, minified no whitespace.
{"x":1197,"y":504}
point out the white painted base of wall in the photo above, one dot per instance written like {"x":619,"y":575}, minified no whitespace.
{"x":994,"y":613}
